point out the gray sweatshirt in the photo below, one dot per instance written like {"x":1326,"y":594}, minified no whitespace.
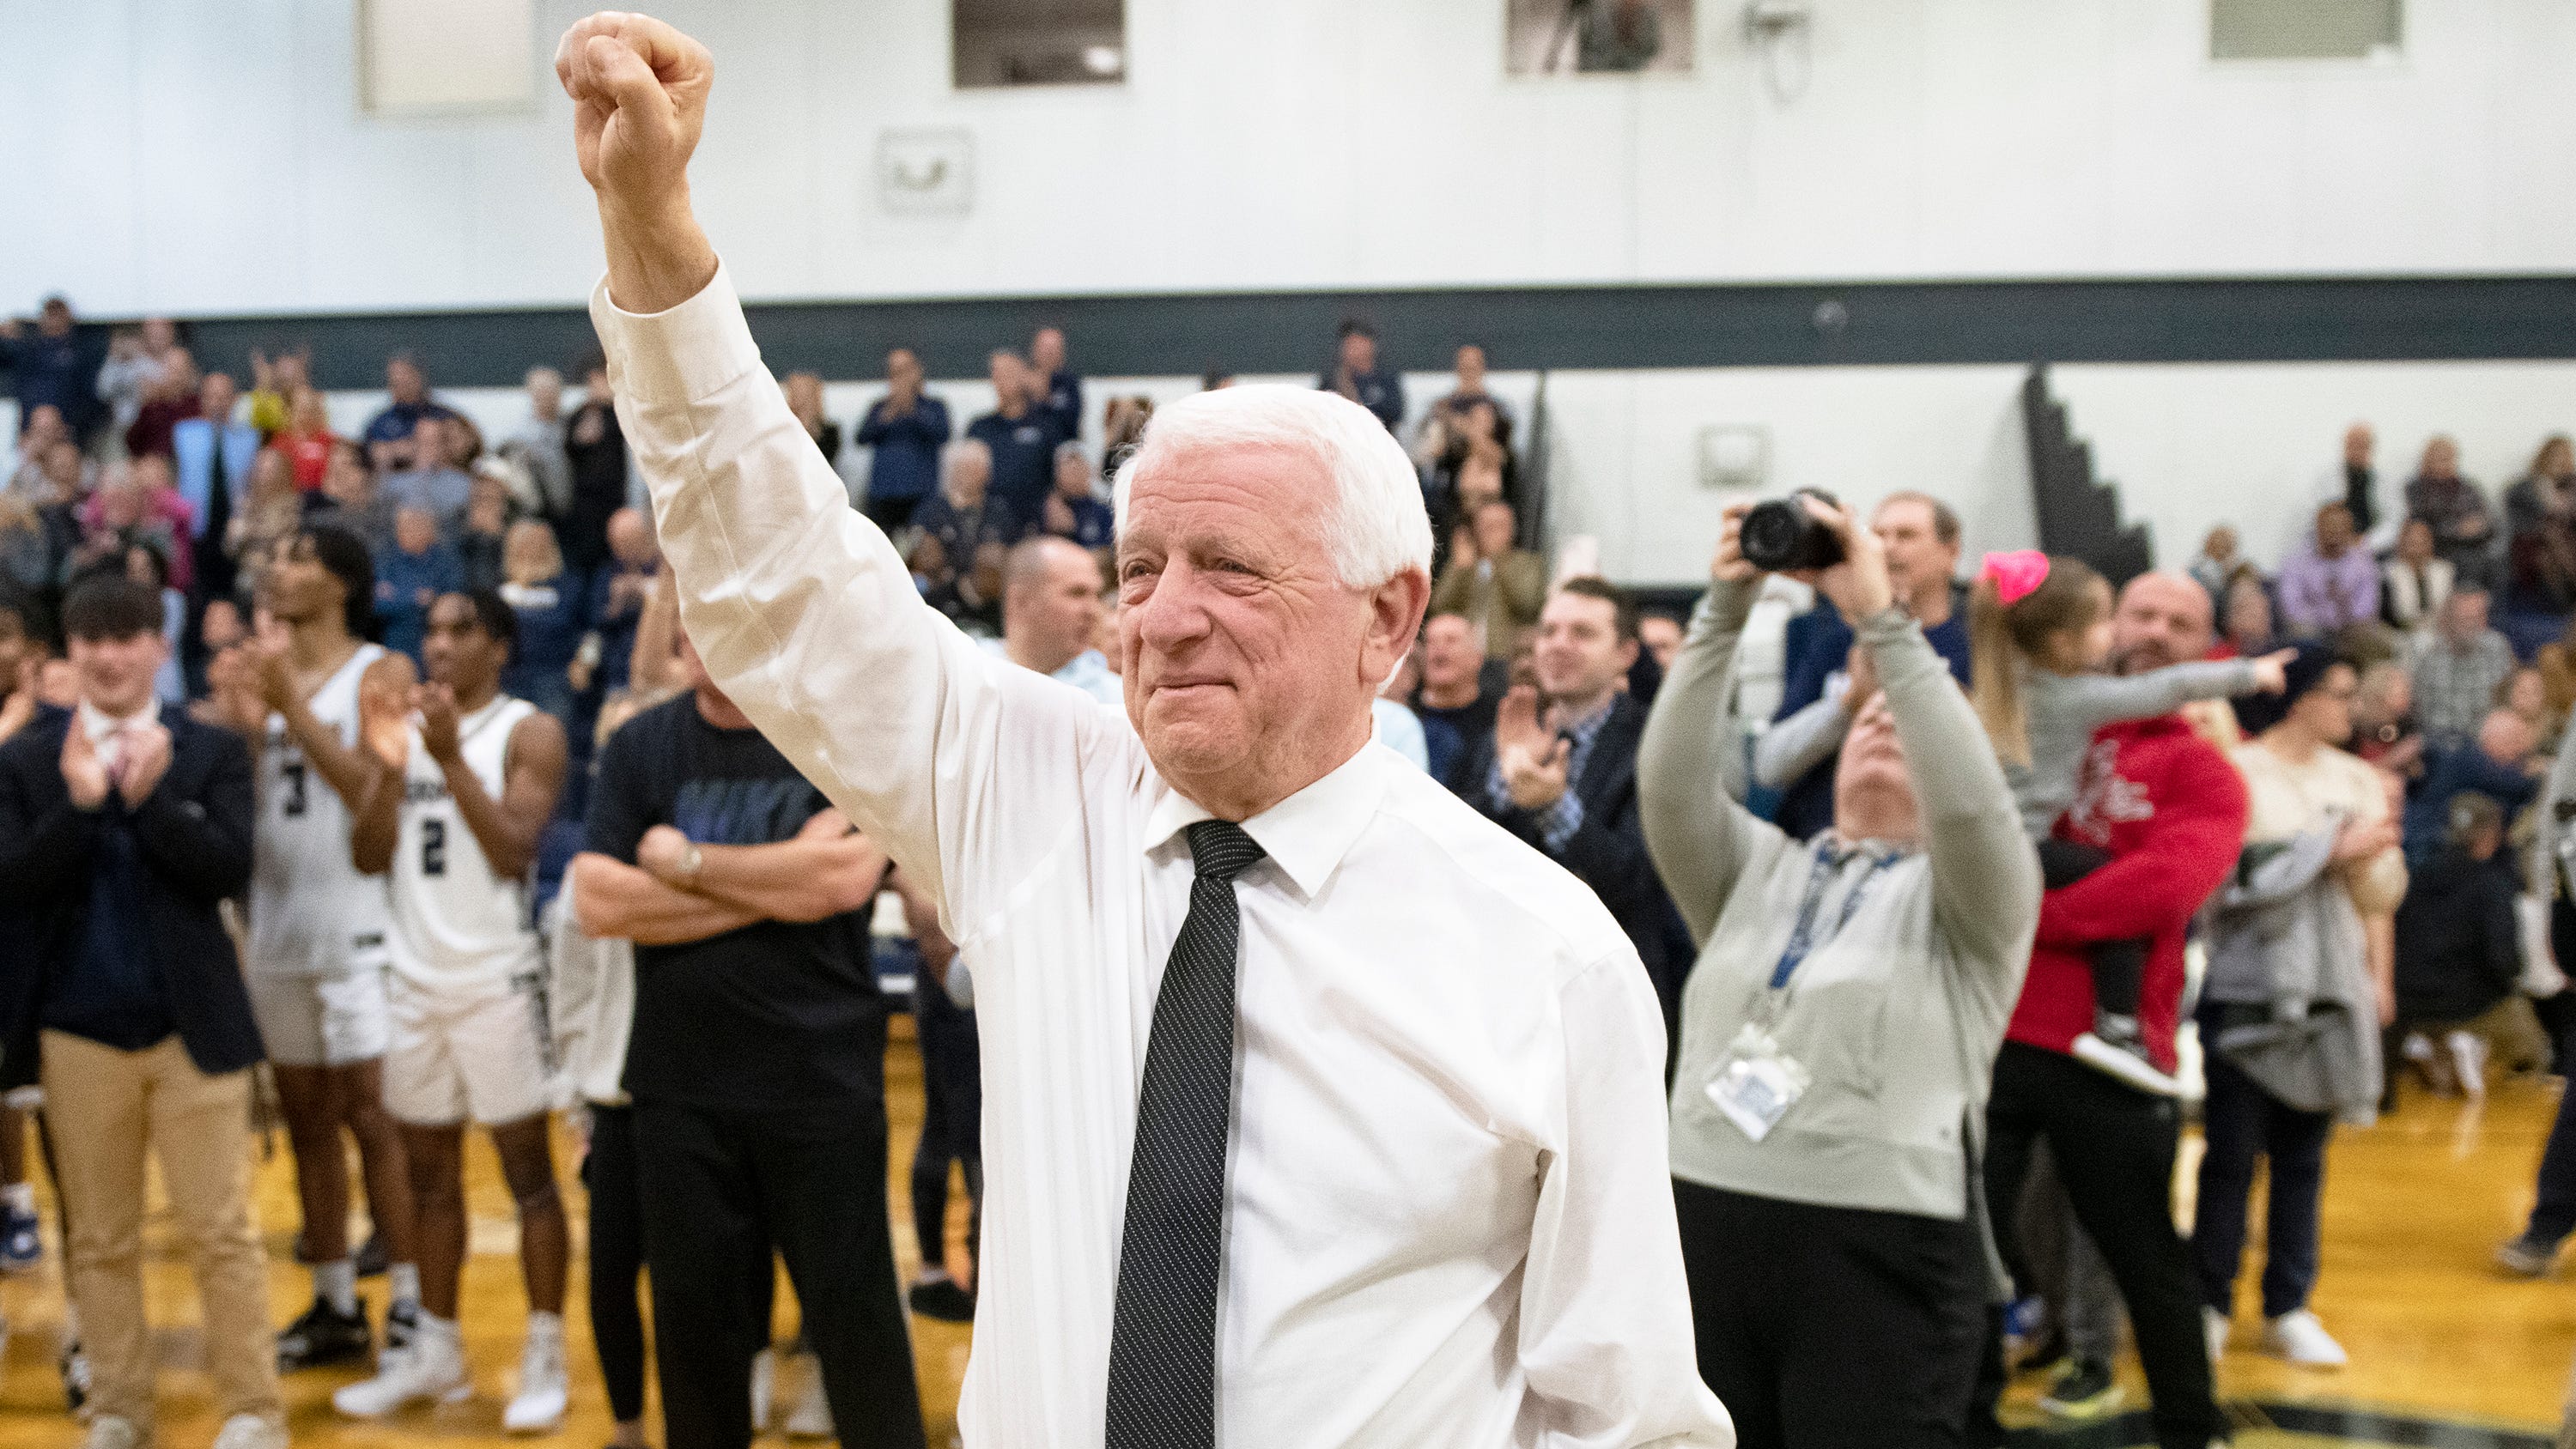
{"x":2063,"y":710}
{"x":1897,"y":1013}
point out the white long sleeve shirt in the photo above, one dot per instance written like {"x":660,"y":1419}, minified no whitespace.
{"x":1449,"y":1216}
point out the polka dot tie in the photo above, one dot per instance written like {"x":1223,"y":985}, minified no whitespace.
{"x":1162,"y":1345}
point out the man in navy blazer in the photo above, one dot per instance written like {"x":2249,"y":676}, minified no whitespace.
{"x":123,"y":825}
{"x":1559,"y":770}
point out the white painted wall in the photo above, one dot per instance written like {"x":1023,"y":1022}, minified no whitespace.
{"x":190,"y":156}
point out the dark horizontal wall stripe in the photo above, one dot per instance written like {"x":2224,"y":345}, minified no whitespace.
{"x":1877,"y":323}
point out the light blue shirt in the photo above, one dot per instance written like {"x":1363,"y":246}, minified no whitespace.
{"x":1087,"y":671}
{"x":1400,"y":730}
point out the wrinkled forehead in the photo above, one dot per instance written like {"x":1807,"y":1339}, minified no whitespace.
{"x":1179,"y":491}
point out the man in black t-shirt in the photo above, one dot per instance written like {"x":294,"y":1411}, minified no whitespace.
{"x":757,"y":1065}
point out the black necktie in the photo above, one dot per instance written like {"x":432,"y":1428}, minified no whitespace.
{"x":1162,"y":1344}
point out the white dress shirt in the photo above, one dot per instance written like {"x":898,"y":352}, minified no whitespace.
{"x":1449,"y":1214}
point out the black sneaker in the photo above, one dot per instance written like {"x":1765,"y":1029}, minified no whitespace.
{"x":942,"y":1299}
{"x":2084,"y":1391}
{"x":74,"y":1367}
{"x":324,"y":1335}
{"x":370,"y":1261}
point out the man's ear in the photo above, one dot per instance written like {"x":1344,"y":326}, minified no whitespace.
{"x":1395,"y":619}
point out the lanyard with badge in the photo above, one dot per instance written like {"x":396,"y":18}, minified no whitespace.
{"x":1758,"y":1082}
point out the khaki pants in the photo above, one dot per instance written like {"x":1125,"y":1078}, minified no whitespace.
{"x":102,"y":1104}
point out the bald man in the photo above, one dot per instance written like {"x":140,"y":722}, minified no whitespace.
{"x":1050,"y":612}
{"x":2170,"y":810}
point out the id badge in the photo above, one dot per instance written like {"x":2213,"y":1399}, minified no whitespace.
{"x":1758,"y":1083}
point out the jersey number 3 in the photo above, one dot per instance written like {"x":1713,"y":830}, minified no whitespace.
{"x":433,"y":847}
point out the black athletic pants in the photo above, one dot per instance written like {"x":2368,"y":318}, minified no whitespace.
{"x":952,"y":1119}
{"x":721,"y":1190}
{"x":1833,"y":1328}
{"x":2114,"y":1147}
{"x":616,"y":1258}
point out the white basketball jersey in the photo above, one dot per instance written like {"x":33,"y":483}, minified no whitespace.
{"x":458,"y":929}
{"x":311,"y":912}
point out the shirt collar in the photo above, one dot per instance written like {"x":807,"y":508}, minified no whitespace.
{"x":1581,"y":731}
{"x":1305,"y":835}
{"x":99,"y":724}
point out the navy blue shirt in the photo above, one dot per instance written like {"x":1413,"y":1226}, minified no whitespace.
{"x":62,"y":371}
{"x":1818,"y":644}
{"x":1023,"y":457}
{"x":553,"y":615}
{"x":906,"y":464}
{"x":615,"y":625}
{"x":2427,"y":826}
{"x":1064,"y":401}
{"x":1381,"y":392}
{"x":406,"y":585}
{"x":1095,"y":525}
{"x":395,"y":422}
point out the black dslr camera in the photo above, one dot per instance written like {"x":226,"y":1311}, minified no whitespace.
{"x":1781,"y":534}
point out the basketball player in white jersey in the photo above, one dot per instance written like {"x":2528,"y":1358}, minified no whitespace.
{"x":316,"y":958}
{"x":465,"y":783}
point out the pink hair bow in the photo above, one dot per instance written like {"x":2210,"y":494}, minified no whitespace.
{"x":2016,"y":573}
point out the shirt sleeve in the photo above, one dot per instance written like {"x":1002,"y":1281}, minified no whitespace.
{"x":1700,"y":839}
{"x":1605,"y":1321}
{"x":2090,"y":701}
{"x":811,"y":624}
{"x":621,"y":807}
{"x":1793,"y":746}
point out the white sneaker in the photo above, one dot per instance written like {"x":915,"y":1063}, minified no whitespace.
{"x":250,"y":1431}
{"x":2469,"y":1061}
{"x":538,"y":1407}
{"x":107,"y":1431}
{"x":764,"y":1383}
{"x":812,"y":1416}
{"x":2123,"y":1065}
{"x":2301,"y":1339}
{"x":433,"y":1368}
{"x":2213,"y":1327}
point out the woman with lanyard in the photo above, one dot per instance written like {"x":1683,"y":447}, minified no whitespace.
{"x":1839,"y":1032}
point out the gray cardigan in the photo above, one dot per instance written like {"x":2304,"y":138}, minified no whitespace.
{"x":1898,"y":1014}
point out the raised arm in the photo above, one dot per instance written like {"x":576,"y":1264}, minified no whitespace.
{"x":2091,"y":701}
{"x":797,"y":604}
{"x":1793,"y":746}
{"x":1698,"y":837}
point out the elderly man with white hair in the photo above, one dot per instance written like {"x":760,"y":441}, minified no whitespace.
{"x":1321,"y":1111}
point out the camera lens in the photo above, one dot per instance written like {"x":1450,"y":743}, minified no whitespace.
{"x":1782,"y":534}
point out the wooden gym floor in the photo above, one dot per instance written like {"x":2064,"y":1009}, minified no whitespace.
{"x":2444,"y":1351}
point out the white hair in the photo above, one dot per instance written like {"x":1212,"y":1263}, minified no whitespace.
{"x":1378,"y":528}
{"x":959,"y":451}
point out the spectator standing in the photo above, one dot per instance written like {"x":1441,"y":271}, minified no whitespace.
{"x":138,"y":359}
{"x":26,"y":463}
{"x":2549,"y":871}
{"x":1497,"y":587}
{"x":1559,"y":771}
{"x":351,"y":498}
{"x":2463,"y":523}
{"x":1072,"y":509}
{"x":272,"y":511}
{"x":388,"y":435}
{"x":1355,"y":374}
{"x":756,"y":1065}
{"x":2416,"y":581}
{"x":123,"y":825}
{"x":274,"y":384}
{"x":431,"y":482}
{"x":595,"y":445}
{"x":2458,"y":670}
{"x":214,"y":456}
{"x":2301,"y":980}
{"x":1449,"y":409}
{"x":805,"y":399}
{"x":2332,"y":583}
{"x":1919,"y":535}
{"x":410,"y":576}
{"x":2354,"y":483}
{"x":538,"y":444}
{"x":2383,"y":721}
{"x":54,"y":366}
{"x":482,"y":548}
{"x":957,"y":561}
{"x":2218,"y":562}
{"x":550,"y":621}
{"x":2540,"y":529}
{"x":617,"y":596}
{"x":1804,"y":1151}
{"x":1021,"y":437}
{"x":168,"y":400}
{"x":907,"y":428}
{"x":1058,"y":389}
{"x":307,"y":440}
{"x":2170,"y":811}
{"x":1460,"y":688}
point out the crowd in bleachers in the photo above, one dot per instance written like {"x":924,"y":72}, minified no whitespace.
{"x":2404,"y":678}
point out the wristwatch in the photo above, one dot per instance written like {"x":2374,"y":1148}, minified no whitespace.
{"x":690,"y":860}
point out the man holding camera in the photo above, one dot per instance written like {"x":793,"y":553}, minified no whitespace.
{"x":1820,"y":692}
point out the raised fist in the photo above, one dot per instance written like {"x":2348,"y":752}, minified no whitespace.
{"x":639,"y":91}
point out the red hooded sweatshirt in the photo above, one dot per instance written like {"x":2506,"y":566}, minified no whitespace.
{"x":2170,"y":809}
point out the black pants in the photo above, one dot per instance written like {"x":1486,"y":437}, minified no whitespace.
{"x":616,"y":1258}
{"x":1833,"y":1328}
{"x":952,"y":1117}
{"x":2243,"y":1122}
{"x":721,"y":1189}
{"x":2114,"y":1147}
{"x":2119,"y":967}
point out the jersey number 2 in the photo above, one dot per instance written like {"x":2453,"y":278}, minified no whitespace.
{"x":433,"y":847}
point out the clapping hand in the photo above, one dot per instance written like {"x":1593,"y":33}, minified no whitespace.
{"x":1533,"y":761}
{"x":84,"y":773}
{"x":145,"y":760}
{"x":436,"y":706}
{"x":384,"y":723}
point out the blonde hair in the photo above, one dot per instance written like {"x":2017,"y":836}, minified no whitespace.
{"x":2004,"y":639}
